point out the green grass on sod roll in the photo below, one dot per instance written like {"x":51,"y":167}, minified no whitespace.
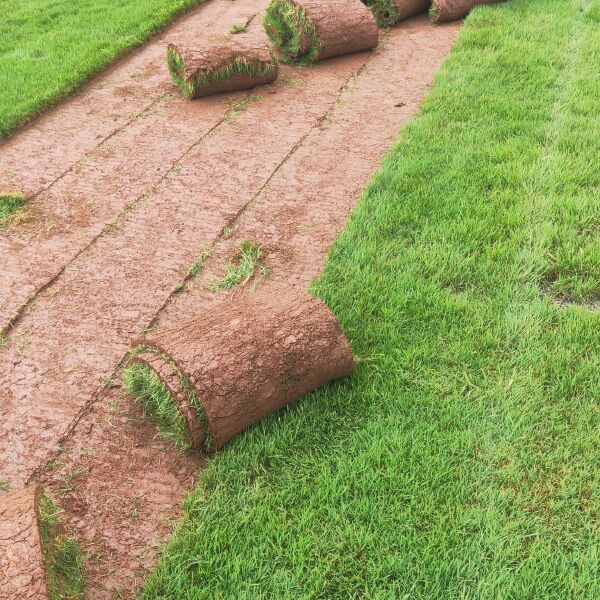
{"x":461,"y":458}
{"x":240,"y":66}
{"x":288,"y":25}
{"x":145,"y":385}
{"x":384,"y":11}
{"x":49,"y":48}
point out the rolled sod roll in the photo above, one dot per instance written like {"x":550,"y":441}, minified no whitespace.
{"x":389,"y":12}
{"x":227,"y":368}
{"x":451,"y":10}
{"x":22,"y":571}
{"x":312,"y":30}
{"x":220,"y":64}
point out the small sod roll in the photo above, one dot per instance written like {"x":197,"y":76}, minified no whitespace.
{"x":389,"y":12}
{"x":451,"y":10}
{"x":311,"y":30}
{"x":220,"y":64}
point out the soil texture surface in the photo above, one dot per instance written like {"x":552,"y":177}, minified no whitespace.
{"x":136,"y":184}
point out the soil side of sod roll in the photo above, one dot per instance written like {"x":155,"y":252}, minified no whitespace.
{"x":442,"y":11}
{"x":228,"y":368}
{"x":390,"y":12}
{"x":22,"y":571}
{"x":311,"y":30}
{"x":219,"y":64}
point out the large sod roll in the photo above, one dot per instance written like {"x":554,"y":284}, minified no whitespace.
{"x":311,"y":30}
{"x":389,"y":12}
{"x":219,"y":64}
{"x":451,"y":10}
{"x":210,"y":377}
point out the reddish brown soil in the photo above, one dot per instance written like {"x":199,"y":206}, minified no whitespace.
{"x":284,"y":173}
{"x":22,"y":574}
{"x":252,"y":356}
{"x":450,"y":10}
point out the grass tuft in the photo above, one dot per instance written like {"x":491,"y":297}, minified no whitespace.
{"x":235,"y":29}
{"x":63,"y":555}
{"x":9,"y":205}
{"x":248,"y":263}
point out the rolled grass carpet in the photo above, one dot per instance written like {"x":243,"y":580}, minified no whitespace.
{"x":451,"y":10}
{"x":389,"y":12}
{"x":208,"y":378}
{"x":218,"y":64}
{"x":22,"y":572}
{"x":311,"y":30}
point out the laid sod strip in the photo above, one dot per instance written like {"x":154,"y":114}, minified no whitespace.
{"x":461,"y":458}
{"x":63,"y":556}
{"x":311,"y":30}
{"x":9,"y":205}
{"x":242,"y":361}
{"x":220,"y":64}
{"x":451,"y":10}
{"x":389,"y":12}
{"x":22,"y":572}
{"x":49,"y":48}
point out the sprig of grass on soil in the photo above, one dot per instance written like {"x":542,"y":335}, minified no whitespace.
{"x":9,"y":205}
{"x":63,"y":556}
{"x":235,"y":29}
{"x":461,"y":459}
{"x":248,"y":263}
{"x":234,"y":108}
{"x":289,"y":27}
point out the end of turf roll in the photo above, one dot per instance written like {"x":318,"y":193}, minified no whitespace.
{"x":22,"y":571}
{"x":226,"y":369}
{"x":442,"y":11}
{"x":389,"y":12}
{"x":220,"y":64}
{"x":308,"y":31}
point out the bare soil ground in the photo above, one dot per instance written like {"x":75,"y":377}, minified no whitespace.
{"x":134,"y":185}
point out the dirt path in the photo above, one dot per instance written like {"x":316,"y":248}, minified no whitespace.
{"x":284,"y":173}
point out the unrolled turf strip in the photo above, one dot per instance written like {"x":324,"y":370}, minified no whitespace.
{"x":219,"y":64}
{"x":389,"y":12}
{"x":22,"y":573}
{"x":451,"y":10}
{"x":312,"y":30}
{"x":229,"y":367}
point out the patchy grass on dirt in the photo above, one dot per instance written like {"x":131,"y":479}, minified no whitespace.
{"x":461,"y":459}
{"x":9,"y":205}
{"x":249,"y":262}
{"x":63,"y":556}
{"x":48,"y":48}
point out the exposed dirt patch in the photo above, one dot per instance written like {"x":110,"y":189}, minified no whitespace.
{"x":284,"y":173}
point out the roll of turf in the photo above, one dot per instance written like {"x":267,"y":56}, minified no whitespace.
{"x":451,"y":10}
{"x":220,"y":64}
{"x":210,"y":377}
{"x":390,"y":12}
{"x":311,"y":30}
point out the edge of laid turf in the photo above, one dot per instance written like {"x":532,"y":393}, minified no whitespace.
{"x":48,"y":50}
{"x":460,"y":460}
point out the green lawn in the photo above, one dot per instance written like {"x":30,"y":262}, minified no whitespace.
{"x":462,"y":458}
{"x":49,"y":47}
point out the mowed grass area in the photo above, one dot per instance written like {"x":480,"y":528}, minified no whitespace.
{"x":461,"y":459}
{"x":49,"y":47}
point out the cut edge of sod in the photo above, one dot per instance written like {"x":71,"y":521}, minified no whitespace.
{"x":289,"y":28}
{"x":384,"y":11}
{"x":10,"y":203}
{"x":146,"y":386}
{"x":63,"y":556}
{"x":190,"y":86}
